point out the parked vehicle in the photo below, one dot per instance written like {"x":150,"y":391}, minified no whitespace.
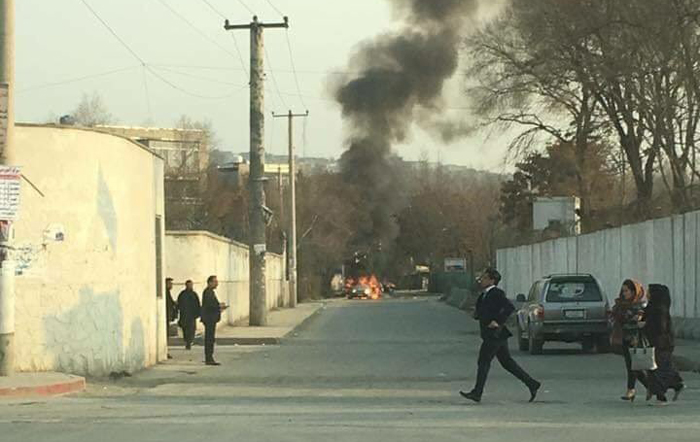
{"x":565,"y":308}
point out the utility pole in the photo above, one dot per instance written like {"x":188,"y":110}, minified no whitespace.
{"x":292,"y":234}
{"x":7,"y":129}
{"x":258,"y":210}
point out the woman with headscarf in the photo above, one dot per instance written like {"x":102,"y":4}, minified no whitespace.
{"x":658,"y":330}
{"x":626,"y":313}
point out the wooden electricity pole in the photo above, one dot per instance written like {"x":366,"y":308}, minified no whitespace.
{"x":258,"y":211}
{"x":292,"y":226}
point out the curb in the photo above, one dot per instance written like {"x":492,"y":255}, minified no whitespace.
{"x":231,"y":341}
{"x":75,"y":385}
{"x":306,"y":320}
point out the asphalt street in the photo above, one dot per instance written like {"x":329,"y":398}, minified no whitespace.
{"x":361,"y":371}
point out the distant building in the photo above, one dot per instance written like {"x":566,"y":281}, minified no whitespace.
{"x":186,"y":156}
{"x":558,"y":212}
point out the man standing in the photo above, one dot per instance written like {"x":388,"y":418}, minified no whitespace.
{"x":492,"y":311}
{"x":170,"y":311}
{"x":211,"y":315}
{"x":188,"y":304}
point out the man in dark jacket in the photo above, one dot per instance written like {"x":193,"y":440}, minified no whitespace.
{"x":188,"y":304}
{"x":211,"y":315}
{"x":170,"y":310}
{"x":492,"y":311}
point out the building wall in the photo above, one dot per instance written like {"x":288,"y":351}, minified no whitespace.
{"x":659,"y":251}
{"x":197,"y":255}
{"x":88,"y":304}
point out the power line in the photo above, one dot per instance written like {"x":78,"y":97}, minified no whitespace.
{"x":78,"y":79}
{"x":274,"y":7}
{"x":148,"y":95}
{"x":196,"y":29}
{"x":233,"y":37}
{"x":246,"y":6}
{"x":296,"y":78}
{"x":185,"y":91}
{"x":197,"y":77}
{"x":145,"y":65}
{"x":274,"y":80}
{"x":104,"y":23}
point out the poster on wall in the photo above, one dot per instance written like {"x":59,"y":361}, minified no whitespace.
{"x":10,"y":177}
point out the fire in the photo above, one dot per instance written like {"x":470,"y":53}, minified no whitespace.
{"x":370,"y":283}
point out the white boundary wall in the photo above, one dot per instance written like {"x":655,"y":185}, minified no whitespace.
{"x":196,"y":255}
{"x":661,"y":251}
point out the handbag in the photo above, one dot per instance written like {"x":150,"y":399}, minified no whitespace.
{"x":643,"y":356}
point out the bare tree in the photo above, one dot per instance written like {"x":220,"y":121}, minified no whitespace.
{"x":92,"y":111}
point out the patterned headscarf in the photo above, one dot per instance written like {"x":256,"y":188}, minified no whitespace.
{"x":639,"y":293}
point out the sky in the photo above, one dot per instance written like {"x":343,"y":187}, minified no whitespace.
{"x":193,"y":68}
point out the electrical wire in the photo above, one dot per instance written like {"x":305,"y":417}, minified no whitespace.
{"x":233,"y":36}
{"x":274,"y":81}
{"x":296,"y":78}
{"x":109,"y":28}
{"x":196,"y":29}
{"x":198,"y":77}
{"x":148,"y":95}
{"x":274,"y":7}
{"x":77,"y":79}
{"x":145,"y":65}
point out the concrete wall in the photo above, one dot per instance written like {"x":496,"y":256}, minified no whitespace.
{"x":659,"y":251}
{"x":88,"y":304}
{"x":196,"y":255}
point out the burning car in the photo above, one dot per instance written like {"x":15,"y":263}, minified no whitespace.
{"x":364,"y":287}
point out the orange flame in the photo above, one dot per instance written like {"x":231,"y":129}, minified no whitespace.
{"x":370,"y":281}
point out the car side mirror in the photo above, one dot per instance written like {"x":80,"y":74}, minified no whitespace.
{"x":521,"y":298}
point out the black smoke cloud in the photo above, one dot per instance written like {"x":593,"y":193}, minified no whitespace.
{"x":395,"y":78}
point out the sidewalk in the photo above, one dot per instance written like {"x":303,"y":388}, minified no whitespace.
{"x":23,"y":385}
{"x":281,"y":323}
{"x":687,"y":355}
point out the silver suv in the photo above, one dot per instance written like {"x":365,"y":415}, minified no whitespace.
{"x":565,"y":308}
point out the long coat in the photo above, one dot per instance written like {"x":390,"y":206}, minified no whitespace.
{"x":188,"y":304}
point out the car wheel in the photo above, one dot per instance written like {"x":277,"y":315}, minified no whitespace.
{"x":535,"y":344}
{"x":523,"y":343}
{"x":588,"y":345}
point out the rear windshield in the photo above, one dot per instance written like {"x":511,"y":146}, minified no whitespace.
{"x":573,"y":291}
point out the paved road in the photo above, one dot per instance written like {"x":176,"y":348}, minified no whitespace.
{"x":360,"y":371}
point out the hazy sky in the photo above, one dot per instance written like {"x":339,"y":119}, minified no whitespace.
{"x":59,"y":43}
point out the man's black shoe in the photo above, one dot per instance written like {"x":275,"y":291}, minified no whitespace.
{"x":212,"y":363}
{"x":188,"y":347}
{"x":471,"y":396}
{"x":533,"y":390}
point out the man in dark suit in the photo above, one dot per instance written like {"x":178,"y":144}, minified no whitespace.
{"x":170,"y":311}
{"x":492,"y":311}
{"x":211,"y":315}
{"x":188,"y":304}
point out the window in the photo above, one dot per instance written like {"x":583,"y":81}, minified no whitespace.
{"x":573,"y":291}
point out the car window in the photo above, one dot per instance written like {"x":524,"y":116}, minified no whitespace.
{"x":573,"y":291}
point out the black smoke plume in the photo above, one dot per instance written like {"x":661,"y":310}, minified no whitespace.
{"x":394,"y":78}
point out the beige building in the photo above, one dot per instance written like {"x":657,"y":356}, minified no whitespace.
{"x":186,"y":155}
{"x":89,"y":241}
